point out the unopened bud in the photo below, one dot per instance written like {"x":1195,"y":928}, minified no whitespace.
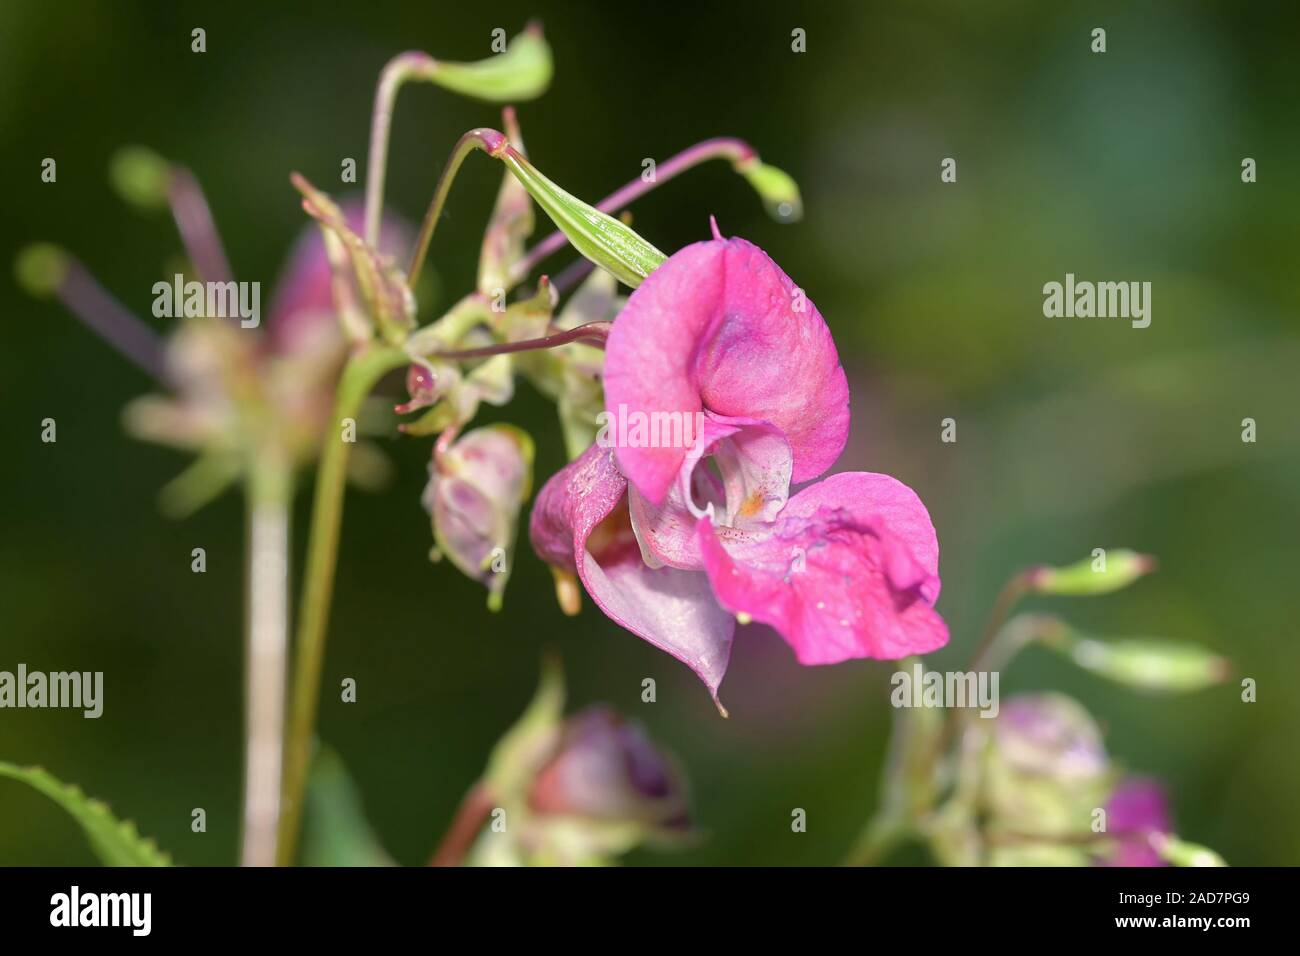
{"x":140,"y":176}
{"x":777,"y":189}
{"x":40,"y":269}
{"x":1101,"y":574}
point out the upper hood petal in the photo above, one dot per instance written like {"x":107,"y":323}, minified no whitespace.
{"x":720,"y":327}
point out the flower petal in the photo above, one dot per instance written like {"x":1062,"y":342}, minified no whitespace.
{"x":720,"y":327}
{"x":755,"y":463}
{"x":580,"y":522}
{"x":849,"y":569}
{"x":748,"y":490}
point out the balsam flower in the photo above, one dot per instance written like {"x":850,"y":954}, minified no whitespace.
{"x":845,"y":568}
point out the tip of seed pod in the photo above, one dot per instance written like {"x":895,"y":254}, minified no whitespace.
{"x":40,"y":269}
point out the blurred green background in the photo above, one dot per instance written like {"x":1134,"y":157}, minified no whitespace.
{"x":1072,"y":434}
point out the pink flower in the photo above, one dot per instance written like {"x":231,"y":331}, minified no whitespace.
{"x":1135,"y":811}
{"x":673,"y":548}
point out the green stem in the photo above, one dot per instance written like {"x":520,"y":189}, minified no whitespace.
{"x":991,"y":641}
{"x":363,"y":371}
{"x":1007,"y":599}
{"x":490,"y":141}
{"x":597,"y":236}
{"x":397,"y":72}
{"x":877,"y":839}
{"x":999,"y":641}
{"x":268,"y":493}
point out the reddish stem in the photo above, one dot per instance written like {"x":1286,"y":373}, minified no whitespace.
{"x":456,"y":842}
{"x":92,"y":304}
{"x":197,"y":227}
{"x":593,"y":333}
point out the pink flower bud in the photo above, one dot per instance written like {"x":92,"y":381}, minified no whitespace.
{"x":476,"y":488}
{"x":607,"y":769}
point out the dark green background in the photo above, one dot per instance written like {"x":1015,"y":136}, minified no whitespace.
{"x":1072,"y":434}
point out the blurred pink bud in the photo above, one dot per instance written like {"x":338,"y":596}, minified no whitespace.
{"x":1051,"y":736}
{"x":607,"y":769}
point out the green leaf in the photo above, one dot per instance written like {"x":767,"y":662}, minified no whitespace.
{"x":115,"y":842}
{"x":1103,"y":573}
{"x":336,"y":831}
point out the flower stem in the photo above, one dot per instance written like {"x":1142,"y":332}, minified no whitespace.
{"x":1007,"y":599}
{"x":196,"y":226}
{"x":993,"y":650}
{"x":398,"y":70}
{"x":1016,"y":838}
{"x":85,"y":298}
{"x":877,"y":839}
{"x":490,"y":141}
{"x":456,"y":842}
{"x":362,"y":372}
{"x":268,"y":495}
